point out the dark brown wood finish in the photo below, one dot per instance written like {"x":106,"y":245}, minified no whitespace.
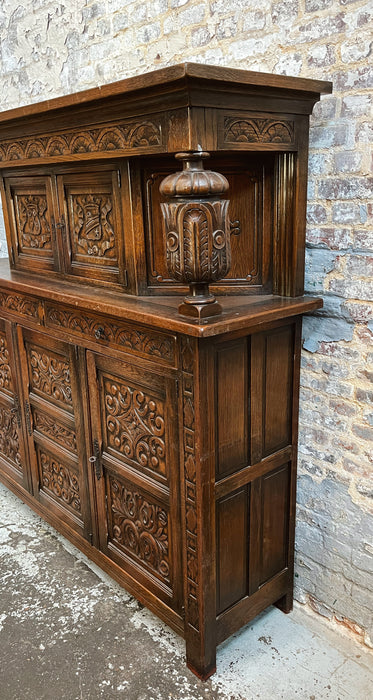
{"x":162,"y":445}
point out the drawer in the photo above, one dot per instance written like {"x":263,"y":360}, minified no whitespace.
{"x":22,"y":305}
{"x":138,"y":340}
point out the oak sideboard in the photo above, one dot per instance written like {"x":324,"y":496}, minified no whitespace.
{"x":150,"y":334}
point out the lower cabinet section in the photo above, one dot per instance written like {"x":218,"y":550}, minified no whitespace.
{"x":186,"y":497}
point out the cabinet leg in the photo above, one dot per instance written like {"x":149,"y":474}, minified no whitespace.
{"x":285,"y":603}
{"x":202,"y":662}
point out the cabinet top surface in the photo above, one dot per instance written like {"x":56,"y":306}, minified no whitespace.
{"x":173,"y":77}
{"x":239,"y":312}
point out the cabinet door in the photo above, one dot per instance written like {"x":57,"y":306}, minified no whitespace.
{"x":54,"y":425}
{"x":94,"y":244}
{"x":12,"y":447}
{"x":31,"y":212}
{"x":135,"y":433}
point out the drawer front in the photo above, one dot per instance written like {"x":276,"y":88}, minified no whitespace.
{"x":137,"y":340}
{"x":21,"y":304}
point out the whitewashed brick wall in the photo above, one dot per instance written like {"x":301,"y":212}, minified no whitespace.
{"x":51,"y":48}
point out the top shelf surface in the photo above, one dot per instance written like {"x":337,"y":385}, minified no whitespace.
{"x":185,"y":74}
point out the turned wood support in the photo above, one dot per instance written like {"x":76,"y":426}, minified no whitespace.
{"x":197,"y":232}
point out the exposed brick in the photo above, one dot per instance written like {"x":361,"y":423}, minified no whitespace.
{"x":364,"y":395}
{"x":333,"y":238}
{"x":322,"y":55}
{"x":351,"y":188}
{"x":346,"y":213}
{"x":326,"y":137}
{"x":285,"y":12}
{"x":363,"y":432}
{"x":360,"y":265}
{"x":322,"y":27}
{"x":315,"y":5}
{"x":316,"y":214}
{"x":353,"y":79}
{"x":356,"y":105}
{"x":355,"y":50}
{"x":348,"y":161}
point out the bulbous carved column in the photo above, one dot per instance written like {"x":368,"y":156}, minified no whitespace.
{"x":197,"y":232}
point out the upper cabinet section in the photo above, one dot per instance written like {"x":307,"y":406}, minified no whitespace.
{"x":81,"y":176}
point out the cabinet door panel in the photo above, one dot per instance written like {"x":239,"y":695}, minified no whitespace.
{"x":94,"y":241}
{"x":32,"y":217}
{"x":134,"y":425}
{"x":54,"y":422}
{"x":13,"y":457}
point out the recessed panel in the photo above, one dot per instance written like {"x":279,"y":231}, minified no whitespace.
{"x":232,"y":549}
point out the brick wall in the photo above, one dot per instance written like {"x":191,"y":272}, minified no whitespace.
{"x":51,"y":48}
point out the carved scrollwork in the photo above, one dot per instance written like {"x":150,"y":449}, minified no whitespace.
{"x":119,"y":136}
{"x":135,"y":425}
{"x":140,"y":527}
{"x":60,"y":481}
{"x":148,"y":343}
{"x":19,"y":304}
{"x":240,"y":130}
{"x":9,"y":441}
{"x":5,"y":371}
{"x":50,"y":375}
{"x":55,"y":431}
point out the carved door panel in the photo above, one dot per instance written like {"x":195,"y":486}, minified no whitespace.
{"x":54,"y":426}
{"x":134,"y":435}
{"x":31,"y":212}
{"x":90,"y":209}
{"x":13,"y":460}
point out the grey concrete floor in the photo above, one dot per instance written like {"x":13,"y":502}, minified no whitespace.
{"x":68,"y":632}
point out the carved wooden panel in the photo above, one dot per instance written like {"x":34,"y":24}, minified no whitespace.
{"x":59,"y":480}
{"x":190,"y":480}
{"x":9,"y":438}
{"x":49,"y":375}
{"x":123,"y":137}
{"x":54,"y":427}
{"x":32,"y":216}
{"x":54,"y":430}
{"x":250,"y":196}
{"x":239,"y":130}
{"x":90,"y":202}
{"x":19,"y":304}
{"x":134,"y":423}
{"x":141,"y":342}
{"x":138,"y":526}
{"x":6,"y":382}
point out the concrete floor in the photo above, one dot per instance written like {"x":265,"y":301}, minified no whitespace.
{"x":67,"y":632}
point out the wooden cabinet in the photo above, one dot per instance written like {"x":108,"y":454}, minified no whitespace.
{"x":162,"y":444}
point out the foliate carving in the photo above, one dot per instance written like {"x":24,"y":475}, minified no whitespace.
{"x":19,"y":304}
{"x":93,"y":232}
{"x":34,"y":230}
{"x":55,"y":431}
{"x":50,"y":375}
{"x":151,"y":344}
{"x":239,"y":130}
{"x":209,"y":257}
{"x":190,"y":477}
{"x":60,"y":481}
{"x":9,"y":441}
{"x":5,"y":372}
{"x":123,"y":136}
{"x":135,"y":425}
{"x":139,"y":527}
{"x":197,"y":232}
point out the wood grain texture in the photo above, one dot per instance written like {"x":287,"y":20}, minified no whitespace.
{"x":164,"y":447}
